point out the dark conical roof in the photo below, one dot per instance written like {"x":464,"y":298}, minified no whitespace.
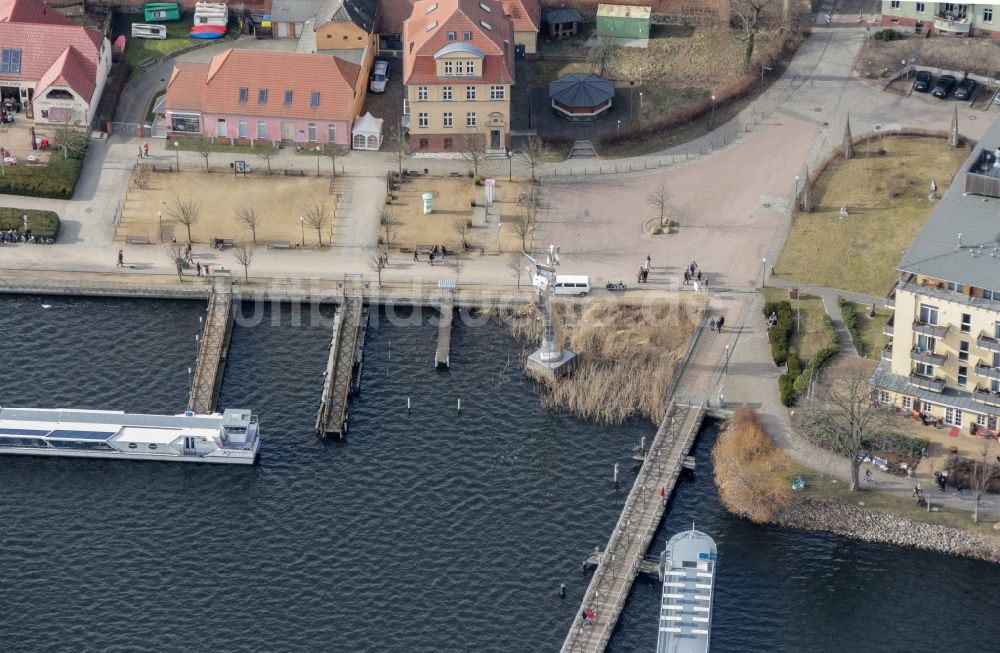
{"x":581,"y":90}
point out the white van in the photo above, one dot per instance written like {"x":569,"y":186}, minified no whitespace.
{"x":569,"y":284}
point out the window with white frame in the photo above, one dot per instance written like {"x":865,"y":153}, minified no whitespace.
{"x":331,"y":133}
{"x":907,"y":403}
{"x":981,"y":420}
{"x":448,"y":119}
{"x":422,"y":120}
{"x":242,"y":129}
{"x":894,"y":4}
{"x":956,"y":287}
{"x":470,"y":119}
{"x":991,"y":294}
{"x":421,"y":93}
{"x":952,"y":416}
{"x":928,"y":314}
{"x":987,"y":14}
{"x":312,"y":132}
{"x":261,"y":129}
{"x":470,"y":67}
{"x":446,"y":93}
{"x":449,"y":68}
{"x":963,"y":375}
{"x":470,"y":93}
{"x":921,"y":7}
{"x":923,"y":369}
{"x":497,"y":93}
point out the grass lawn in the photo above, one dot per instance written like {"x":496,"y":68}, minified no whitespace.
{"x":812,"y":333}
{"x":138,"y":50}
{"x":971,"y":55}
{"x":886,"y":198}
{"x":188,"y":145}
{"x":820,"y":487}
{"x":870,"y":328}
{"x":56,"y":179}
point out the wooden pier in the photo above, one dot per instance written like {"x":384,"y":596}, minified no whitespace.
{"x":625,"y":554}
{"x":443,"y":354}
{"x":214,"y":347}
{"x":348,"y":325}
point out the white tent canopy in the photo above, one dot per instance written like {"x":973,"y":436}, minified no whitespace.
{"x":367,"y":133}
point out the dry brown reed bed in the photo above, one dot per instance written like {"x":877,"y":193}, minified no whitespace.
{"x":626,"y":354}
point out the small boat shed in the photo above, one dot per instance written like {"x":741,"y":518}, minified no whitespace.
{"x":162,"y":12}
{"x":623,"y":22}
{"x":563,"y":23}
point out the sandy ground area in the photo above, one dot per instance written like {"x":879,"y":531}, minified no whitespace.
{"x":451,"y":209}
{"x":279,"y":201}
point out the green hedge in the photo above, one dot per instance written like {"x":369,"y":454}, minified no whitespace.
{"x":56,"y":180}
{"x":780,"y":334}
{"x":851,"y":322}
{"x":884,"y":35}
{"x":898,"y":441}
{"x":797,"y":385}
{"x":786,"y":382}
{"x":41,"y":223}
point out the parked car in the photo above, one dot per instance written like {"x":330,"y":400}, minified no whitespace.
{"x":945,"y":85}
{"x":924,"y":82}
{"x":380,"y":76}
{"x":965,"y":89}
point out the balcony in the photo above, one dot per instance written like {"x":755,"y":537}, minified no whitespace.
{"x":890,"y":299}
{"x":887,"y":329}
{"x":929,"y":357}
{"x":986,"y":396}
{"x":990,"y":372}
{"x":986,"y":342}
{"x":948,"y":23}
{"x":930,"y":329}
{"x":887,"y":352}
{"x":926,"y":383}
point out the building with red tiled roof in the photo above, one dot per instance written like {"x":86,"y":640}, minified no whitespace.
{"x":458,"y":69}
{"x":248,"y":96}
{"x":53,"y":68}
{"x":525,"y":14}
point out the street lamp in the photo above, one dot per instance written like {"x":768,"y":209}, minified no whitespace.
{"x":763,"y":272}
{"x":725,"y":369}
{"x":317,"y":160}
{"x":159,"y":217}
{"x":510,"y":165}
{"x":796,"y":187}
{"x":499,"y":225}
{"x":177,"y":151}
{"x":619,"y":125}
{"x":640,"y":75}
{"x":711,"y":117}
{"x":640,"y":102}
{"x":302,"y":225}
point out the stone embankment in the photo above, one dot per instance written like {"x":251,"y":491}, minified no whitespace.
{"x":871,"y":526}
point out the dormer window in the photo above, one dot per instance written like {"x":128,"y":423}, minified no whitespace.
{"x":431,"y":26}
{"x":244,"y":94}
{"x":431,"y":8}
{"x":486,"y":25}
{"x":485,"y":7}
{"x":470,"y":67}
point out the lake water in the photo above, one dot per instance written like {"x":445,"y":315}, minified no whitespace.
{"x":424,"y":531}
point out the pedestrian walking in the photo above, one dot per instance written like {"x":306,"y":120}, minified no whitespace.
{"x":145,"y":150}
{"x":687,"y":276}
{"x":648,"y":261}
{"x":645,"y":275}
{"x":699,"y":275}
{"x":198,"y":268}
{"x":693,"y":267}
{"x":916,"y":491}
{"x":121,"y":258}
{"x":718,"y":325}
{"x":704,"y":282}
{"x":140,"y":151}
{"x":711,"y":324}
{"x":430,"y":259}
{"x":415,"y":256}
{"x":638,"y":276}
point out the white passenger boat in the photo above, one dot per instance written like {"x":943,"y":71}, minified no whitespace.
{"x":231,"y":437}
{"x":687,"y":568}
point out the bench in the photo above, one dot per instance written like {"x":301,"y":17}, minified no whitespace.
{"x":137,"y":240}
{"x":157,"y":168}
{"x":454,"y":174}
{"x":221,"y":243}
{"x":295,"y":173}
{"x":279,"y":244}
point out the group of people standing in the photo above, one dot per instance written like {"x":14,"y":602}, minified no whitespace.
{"x":693,"y":276}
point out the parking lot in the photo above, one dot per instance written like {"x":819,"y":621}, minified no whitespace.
{"x":388,"y":105}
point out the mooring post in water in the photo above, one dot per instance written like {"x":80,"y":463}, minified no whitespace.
{"x":642,"y":444}
{"x":407,"y":404}
{"x":460,"y":406}
{"x":616,"y":474}
{"x":562,"y":590}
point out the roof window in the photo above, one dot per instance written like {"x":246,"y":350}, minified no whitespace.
{"x":288,"y":97}
{"x":431,"y":26}
{"x":485,"y":7}
{"x":486,"y":25}
{"x":431,"y":8}
{"x":262,"y":96}
{"x":11,"y":61}
{"x":314,"y":99}
{"x":244,"y":94}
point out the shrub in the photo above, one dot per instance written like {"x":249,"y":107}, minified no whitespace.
{"x":779,"y":334}
{"x":786,"y":382}
{"x":750,"y":471}
{"x":41,"y":223}
{"x":885,"y":35}
{"x":56,"y":180}
{"x":902,"y":442}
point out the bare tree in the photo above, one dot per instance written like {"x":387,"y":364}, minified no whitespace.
{"x":982,"y":473}
{"x":317,"y":218}
{"x":376,"y":263}
{"x":333,"y":151}
{"x":523,"y":225}
{"x":202,"y":146}
{"x":185,"y":211}
{"x":533,"y":153}
{"x":515,"y":263}
{"x":175,"y":253}
{"x":388,"y":225}
{"x":659,"y":199}
{"x":70,"y":140}
{"x":457,"y":263}
{"x":247,"y":215}
{"x":267,"y":151}
{"x":400,"y":148}
{"x":245,"y":254}
{"x":462,"y":225}
{"x":474,"y":151}
{"x":752,"y":18}
{"x":845,"y":418}
{"x":600,"y":55}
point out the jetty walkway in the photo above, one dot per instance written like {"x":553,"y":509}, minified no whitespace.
{"x":344,"y":357}
{"x":621,"y":559}
{"x":442,"y":355}
{"x":213,"y":349}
